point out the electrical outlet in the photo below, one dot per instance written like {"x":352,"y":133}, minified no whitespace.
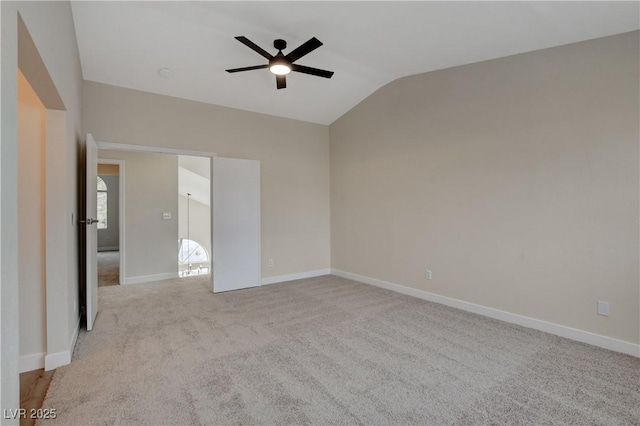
{"x":270,"y":262}
{"x":603,"y":308}
{"x":427,"y":274}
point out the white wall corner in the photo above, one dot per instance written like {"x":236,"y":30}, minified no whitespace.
{"x":548,"y":327}
{"x":150,"y":278}
{"x":58,"y":359}
{"x":31,"y":362}
{"x":55,"y":360}
{"x":296,"y":276}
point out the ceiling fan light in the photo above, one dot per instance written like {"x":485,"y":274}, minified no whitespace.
{"x":280,"y":69}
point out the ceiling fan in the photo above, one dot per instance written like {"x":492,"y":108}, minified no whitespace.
{"x":282,"y":64}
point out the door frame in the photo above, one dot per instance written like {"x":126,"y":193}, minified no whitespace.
{"x":121,"y":210}
{"x":161,"y":150}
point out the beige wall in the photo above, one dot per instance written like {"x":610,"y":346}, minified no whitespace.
{"x":52,"y":62}
{"x":150,"y":188}
{"x":294,"y":158}
{"x":514,"y":180}
{"x":31,"y":221}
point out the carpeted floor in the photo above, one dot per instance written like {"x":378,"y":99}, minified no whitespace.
{"x":108,"y":268}
{"x":327,"y":351}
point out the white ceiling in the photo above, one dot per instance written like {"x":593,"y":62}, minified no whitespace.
{"x":367,"y":44}
{"x":194,"y":177}
{"x":198,"y":165}
{"x":194,"y":184}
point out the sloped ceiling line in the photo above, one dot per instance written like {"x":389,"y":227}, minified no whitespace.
{"x":367,"y":44}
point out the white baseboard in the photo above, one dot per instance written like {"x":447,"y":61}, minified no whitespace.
{"x":31,"y":362}
{"x":548,"y":327}
{"x":297,"y":276}
{"x":150,"y":278}
{"x":58,"y":359}
{"x":74,"y":337}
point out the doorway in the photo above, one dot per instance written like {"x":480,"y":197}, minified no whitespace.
{"x":110,"y":206}
{"x":194,"y":216}
{"x":153,"y":214}
{"x":31,"y":223}
{"x":234,"y":217}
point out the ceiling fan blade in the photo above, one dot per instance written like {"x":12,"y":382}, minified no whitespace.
{"x":313,"y":71}
{"x":255,"y":67}
{"x":281,"y":81}
{"x":253,"y":46}
{"x":303,"y":49}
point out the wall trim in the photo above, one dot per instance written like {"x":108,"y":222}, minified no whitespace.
{"x":58,"y":359}
{"x":154,"y":149}
{"x":296,"y":276}
{"x":150,"y":278}
{"x":74,"y":337}
{"x":548,"y":327}
{"x":31,"y":362}
{"x":108,"y":248}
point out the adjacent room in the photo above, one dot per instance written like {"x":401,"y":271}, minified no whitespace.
{"x":108,"y":226}
{"x":320,"y":212}
{"x":194,"y":216}
{"x":137,"y":244}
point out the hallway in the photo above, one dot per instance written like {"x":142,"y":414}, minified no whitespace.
{"x":108,"y":268}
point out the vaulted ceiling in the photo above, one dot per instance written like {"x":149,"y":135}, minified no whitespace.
{"x":367,"y":44}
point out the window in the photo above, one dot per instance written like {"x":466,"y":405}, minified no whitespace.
{"x":102,"y":204}
{"x":191,"y":252}
{"x":193,"y":259}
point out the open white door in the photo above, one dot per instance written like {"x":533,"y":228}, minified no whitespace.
{"x":236,"y":224}
{"x":91,"y":231}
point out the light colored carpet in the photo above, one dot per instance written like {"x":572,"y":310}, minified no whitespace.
{"x":108,"y":268}
{"x":327,"y":351}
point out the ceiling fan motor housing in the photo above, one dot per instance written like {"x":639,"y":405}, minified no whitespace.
{"x":280,"y":59}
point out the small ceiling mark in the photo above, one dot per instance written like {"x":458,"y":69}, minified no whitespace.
{"x":165,"y":72}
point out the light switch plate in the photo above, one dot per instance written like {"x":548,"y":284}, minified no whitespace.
{"x":166,"y":215}
{"x":603,"y":308}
